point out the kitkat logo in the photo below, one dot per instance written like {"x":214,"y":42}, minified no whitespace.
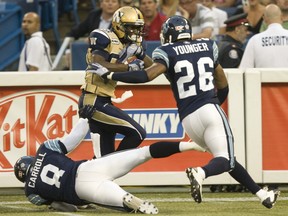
{"x":29,"y":118}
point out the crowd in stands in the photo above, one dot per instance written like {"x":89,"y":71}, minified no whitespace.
{"x":209,"y":18}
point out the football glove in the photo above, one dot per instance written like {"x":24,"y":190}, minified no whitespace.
{"x":131,"y":50}
{"x":97,"y":69}
{"x":86,"y":111}
{"x":136,"y":64}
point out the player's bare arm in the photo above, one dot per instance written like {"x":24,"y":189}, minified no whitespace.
{"x":110,"y":66}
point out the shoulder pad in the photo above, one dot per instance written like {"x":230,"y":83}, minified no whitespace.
{"x":101,"y":39}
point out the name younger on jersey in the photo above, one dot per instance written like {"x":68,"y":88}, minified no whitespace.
{"x":191,"y":48}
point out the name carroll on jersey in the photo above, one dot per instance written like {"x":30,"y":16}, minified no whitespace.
{"x":191,"y":48}
{"x":36,"y":170}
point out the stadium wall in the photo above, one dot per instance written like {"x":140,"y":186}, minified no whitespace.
{"x":43,"y":105}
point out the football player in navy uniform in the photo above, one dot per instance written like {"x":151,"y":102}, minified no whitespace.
{"x":199,"y":86}
{"x":118,"y":49}
{"x":51,"y":177}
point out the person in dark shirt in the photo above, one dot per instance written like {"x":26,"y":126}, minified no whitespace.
{"x":231,"y":46}
{"x":98,"y":18}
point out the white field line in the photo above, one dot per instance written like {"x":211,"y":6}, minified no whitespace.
{"x":238,"y":199}
{"x":11,"y":205}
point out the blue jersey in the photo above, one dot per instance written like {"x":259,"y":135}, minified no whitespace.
{"x":190,"y":68}
{"x":53,"y":176}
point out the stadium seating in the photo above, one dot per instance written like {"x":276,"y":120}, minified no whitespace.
{"x":11,"y":38}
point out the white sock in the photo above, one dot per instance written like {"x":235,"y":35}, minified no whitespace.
{"x":77,"y":134}
{"x":201,"y":172}
{"x":261,"y":194}
{"x":187,"y":146}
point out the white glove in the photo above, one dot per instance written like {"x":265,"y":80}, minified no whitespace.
{"x":131,"y":50}
{"x":136,"y":64}
{"x":97,"y":69}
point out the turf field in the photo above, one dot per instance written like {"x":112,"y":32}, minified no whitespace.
{"x":170,"y":201}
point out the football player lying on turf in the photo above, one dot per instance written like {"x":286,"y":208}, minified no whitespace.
{"x":50,"y":176}
{"x":194,"y":73}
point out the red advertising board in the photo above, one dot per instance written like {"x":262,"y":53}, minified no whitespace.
{"x":274,"y":126}
{"x":30,"y":115}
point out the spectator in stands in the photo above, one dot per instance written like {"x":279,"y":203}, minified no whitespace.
{"x":131,"y":3}
{"x":220,"y":16}
{"x":200,"y":17}
{"x":35,"y":55}
{"x":231,"y":47}
{"x":255,"y":11}
{"x":268,"y":49}
{"x":96,"y":19}
{"x":283,"y":5}
{"x":172,"y":7}
{"x":153,"y":19}
{"x":230,"y":6}
{"x":99,"y":18}
{"x":225,"y":3}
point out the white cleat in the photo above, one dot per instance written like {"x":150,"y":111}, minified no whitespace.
{"x":134,"y":204}
{"x":196,"y":184}
{"x":270,"y":199}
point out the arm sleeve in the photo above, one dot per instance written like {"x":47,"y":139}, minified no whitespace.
{"x":130,"y":76}
{"x":222,"y":94}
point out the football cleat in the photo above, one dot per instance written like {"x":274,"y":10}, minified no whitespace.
{"x":134,"y":205}
{"x":270,"y":199}
{"x":196,"y":184}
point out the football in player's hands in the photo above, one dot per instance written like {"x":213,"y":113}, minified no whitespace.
{"x":86,"y":111}
{"x":136,"y":64}
{"x":97,"y":69}
{"x":131,"y":50}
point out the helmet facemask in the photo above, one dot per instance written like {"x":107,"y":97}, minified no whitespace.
{"x":128,"y":24}
{"x":133,"y":33}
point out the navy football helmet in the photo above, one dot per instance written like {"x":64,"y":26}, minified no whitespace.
{"x":22,"y":167}
{"x":175,"y":28}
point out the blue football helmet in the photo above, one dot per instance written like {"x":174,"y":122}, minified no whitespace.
{"x":175,"y":28}
{"x":22,"y":167}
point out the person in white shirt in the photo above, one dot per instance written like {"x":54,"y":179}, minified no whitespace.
{"x":220,"y":16}
{"x":268,"y":49}
{"x":35,"y":55}
{"x":201,"y":18}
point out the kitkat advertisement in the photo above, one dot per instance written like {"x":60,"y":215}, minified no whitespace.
{"x":31,"y":115}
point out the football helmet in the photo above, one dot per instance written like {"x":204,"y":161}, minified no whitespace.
{"x":128,"y":24}
{"x":22,"y":167}
{"x":175,"y":28}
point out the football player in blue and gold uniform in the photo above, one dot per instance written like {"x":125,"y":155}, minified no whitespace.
{"x":118,"y":49}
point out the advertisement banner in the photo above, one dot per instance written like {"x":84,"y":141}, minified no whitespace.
{"x":30,"y":115}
